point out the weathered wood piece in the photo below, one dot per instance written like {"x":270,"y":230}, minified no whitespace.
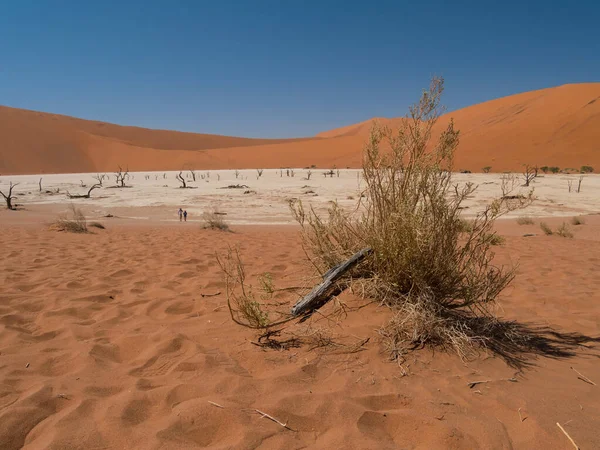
{"x":319,"y":295}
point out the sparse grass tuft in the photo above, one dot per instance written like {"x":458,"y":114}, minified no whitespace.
{"x":578,"y":220}
{"x":496,"y":239}
{"x":546,"y":229}
{"x":524,"y":220}
{"x":564,"y":231}
{"x":214,"y":220}
{"x":73,"y":222}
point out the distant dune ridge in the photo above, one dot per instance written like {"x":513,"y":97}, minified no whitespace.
{"x":558,"y":126}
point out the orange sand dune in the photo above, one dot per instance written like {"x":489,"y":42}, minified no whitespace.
{"x":106,"y":341}
{"x":556,"y":127}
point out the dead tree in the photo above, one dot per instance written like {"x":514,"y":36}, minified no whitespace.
{"x":121,"y":176}
{"x":89,"y":192}
{"x":260,"y":172}
{"x":40,"y":184}
{"x":193,"y":175}
{"x":579,"y":184}
{"x":237,"y":174}
{"x":323,"y":292}
{"x":182,"y":181}
{"x":529,"y":174}
{"x":98,"y":178}
{"x":292,"y":173}
{"x":9,"y":198}
{"x":308,"y":174}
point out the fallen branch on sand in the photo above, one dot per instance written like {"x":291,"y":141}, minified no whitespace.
{"x":211,"y":295}
{"x":472,"y":384}
{"x":583,"y":377}
{"x":321,"y":293}
{"x":567,"y":435}
{"x":273,"y":419}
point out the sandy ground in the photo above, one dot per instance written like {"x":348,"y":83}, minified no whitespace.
{"x":107,"y":342}
{"x":156,"y":197}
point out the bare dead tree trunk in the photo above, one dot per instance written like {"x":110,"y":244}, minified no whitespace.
{"x":95,"y":186}
{"x":9,"y":198}
{"x":99,"y":178}
{"x":308,"y":174}
{"x":579,"y":184}
{"x":237,"y":174}
{"x":529,"y":174}
{"x":193,"y":175}
{"x":40,"y":185}
{"x":181,"y":180}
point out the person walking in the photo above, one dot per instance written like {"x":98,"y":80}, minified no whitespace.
{"x":185,"y":216}
{"x":180,"y":212}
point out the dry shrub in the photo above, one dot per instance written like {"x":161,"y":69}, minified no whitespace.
{"x":97,"y":225}
{"x":564,"y":231}
{"x":496,"y":239}
{"x":524,"y":220}
{"x":73,"y":222}
{"x":214,"y":220}
{"x":546,"y":229}
{"x":435,"y":273}
{"x":244,"y":307}
{"x":577,"y":220}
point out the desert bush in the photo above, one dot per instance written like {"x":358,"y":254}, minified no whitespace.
{"x":244,"y":308}
{"x":266,"y":284}
{"x":544,"y":169}
{"x":214,"y":220}
{"x":554,"y":169}
{"x":524,"y":220}
{"x":487,"y":169}
{"x":546,"y":229}
{"x":435,"y":275}
{"x":466,"y":226}
{"x":586,"y":169}
{"x":496,"y":239}
{"x":73,"y":222}
{"x":577,"y":220}
{"x":564,"y":231}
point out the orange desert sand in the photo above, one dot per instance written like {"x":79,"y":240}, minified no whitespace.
{"x":554,"y":127}
{"x":106,"y":340}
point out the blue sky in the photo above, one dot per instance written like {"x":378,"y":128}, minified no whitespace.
{"x":266,"y":68}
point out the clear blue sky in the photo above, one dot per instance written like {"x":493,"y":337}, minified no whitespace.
{"x":267,"y":68}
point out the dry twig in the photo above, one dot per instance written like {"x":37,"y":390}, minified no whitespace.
{"x":273,"y":419}
{"x":567,"y":435}
{"x":215,"y":404}
{"x":583,"y":377}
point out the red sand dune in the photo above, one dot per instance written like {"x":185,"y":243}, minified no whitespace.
{"x":557,"y":126}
